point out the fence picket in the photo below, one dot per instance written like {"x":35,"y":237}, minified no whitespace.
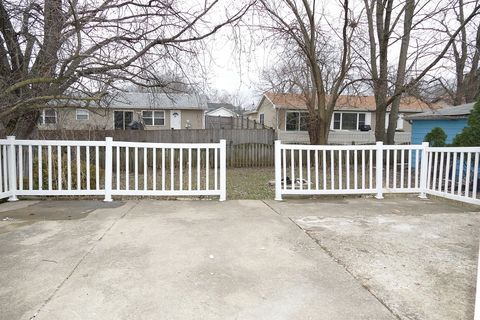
{"x":460,"y":175}
{"x":154,"y":168}
{"x":363,"y":169}
{"x":475,"y":177}
{"x":467,"y":178}
{"x":87,"y":163}
{"x":97,"y":167}
{"x":30,"y":168}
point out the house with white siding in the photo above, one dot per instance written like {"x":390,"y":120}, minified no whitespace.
{"x":353,"y":120}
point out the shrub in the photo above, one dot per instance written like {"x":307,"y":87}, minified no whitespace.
{"x":64,"y":173}
{"x":470,"y":135}
{"x":436,"y":138}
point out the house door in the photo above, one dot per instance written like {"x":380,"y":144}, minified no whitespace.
{"x":122,"y":119}
{"x":175,"y":119}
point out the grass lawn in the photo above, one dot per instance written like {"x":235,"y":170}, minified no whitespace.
{"x":250,"y":183}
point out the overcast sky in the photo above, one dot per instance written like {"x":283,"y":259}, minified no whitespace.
{"x":236,"y":70}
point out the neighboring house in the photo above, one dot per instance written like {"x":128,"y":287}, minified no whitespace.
{"x":451,"y":119}
{"x":222,"y":112}
{"x":151,"y":111}
{"x":353,"y":119}
{"x":220,"y":115}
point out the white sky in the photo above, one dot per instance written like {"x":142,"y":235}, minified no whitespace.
{"x":236,"y":71}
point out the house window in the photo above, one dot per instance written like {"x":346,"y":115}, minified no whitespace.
{"x":262,"y":118}
{"x":122,"y":119}
{"x":48,"y":116}
{"x":153,"y":118}
{"x":296,"y":121}
{"x":82,"y":114}
{"x":348,"y":120}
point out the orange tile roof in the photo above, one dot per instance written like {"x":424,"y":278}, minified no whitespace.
{"x":346,"y":102}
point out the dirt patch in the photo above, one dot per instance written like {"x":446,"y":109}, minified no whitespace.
{"x":56,"y":210}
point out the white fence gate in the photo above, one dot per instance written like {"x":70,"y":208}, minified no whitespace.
{"x":109,"y":168}
{"x":377,"y":169}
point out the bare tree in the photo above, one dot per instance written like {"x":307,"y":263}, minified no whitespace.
{"x":383,"y":18}
{"x":304,"y":29}
{"x":62,"y":50}
{"x":465,"y":55}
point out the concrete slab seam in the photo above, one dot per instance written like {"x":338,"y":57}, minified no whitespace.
{"x":80,"y":261}
{"x":330,"y":254}
{"x":271,"y":208}
{"x":338,"y":261}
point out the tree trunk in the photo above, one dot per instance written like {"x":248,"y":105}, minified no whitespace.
{"x":472,"y":80}
{"x":402,"y":64}
{"x":383,"y":17}
{"x":318,"y":132}
{"x":23,"y":125}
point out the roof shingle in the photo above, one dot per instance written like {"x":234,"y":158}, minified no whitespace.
{"x":346,"y":102}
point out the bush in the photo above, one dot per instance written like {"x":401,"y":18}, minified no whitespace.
{"x":470,"y":135}
{"x":436,"y":138}
{"x":64,"y":173}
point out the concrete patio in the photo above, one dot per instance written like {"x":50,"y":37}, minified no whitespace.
{"x":348,"y":258}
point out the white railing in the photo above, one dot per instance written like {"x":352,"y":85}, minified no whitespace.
{"x":6,"y":149}
{"x":109,"y":168}
{"x":401,"y":168}
{"x":453,"y":173}
{"x":377,"y":169}
{"x":309,"y":169}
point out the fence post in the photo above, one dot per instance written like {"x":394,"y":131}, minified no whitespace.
{"x":223,"y":170}
{"x":379,"y":170}
{"x":424,"y":171}
{"x":278,"y":170}
{"x":108,"y":168}
{"x":12,"y":168}
{"x":476,"y":315}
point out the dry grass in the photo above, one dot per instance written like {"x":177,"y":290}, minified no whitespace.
{"x":250,"y":183}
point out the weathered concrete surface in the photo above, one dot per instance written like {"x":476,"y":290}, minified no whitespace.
{"x":37,"y":256}
{"x":417,"y":256}
{"x":175,"y":260}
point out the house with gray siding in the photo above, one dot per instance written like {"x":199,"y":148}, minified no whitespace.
{"x":148,"y":111}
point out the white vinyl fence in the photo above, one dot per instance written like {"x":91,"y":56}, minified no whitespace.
{"x":108,"y":168}
{"x":377,"y":169}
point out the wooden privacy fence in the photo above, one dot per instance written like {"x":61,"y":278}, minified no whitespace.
{"x":377,"y":169}
{"x":109,"y":168}
{"x":239,"y":122}
{"x":250,"y":155}
{"x":245,"y":148}
{"x":235,"y":136}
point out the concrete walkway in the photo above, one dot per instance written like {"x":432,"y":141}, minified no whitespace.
{"x":419,"y":257}
{"x":149,"y":259}
{"x":169,"y":260}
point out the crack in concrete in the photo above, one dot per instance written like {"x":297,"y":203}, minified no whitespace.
{"x":339,"y":262}
{"x":345,"y":267}
{"x":271,"y":208}
{"x":80,"y":261}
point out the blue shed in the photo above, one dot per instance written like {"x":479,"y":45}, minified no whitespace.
{"x":451,"y":119}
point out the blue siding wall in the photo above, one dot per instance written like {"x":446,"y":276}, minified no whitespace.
{"x":420,"y":128}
